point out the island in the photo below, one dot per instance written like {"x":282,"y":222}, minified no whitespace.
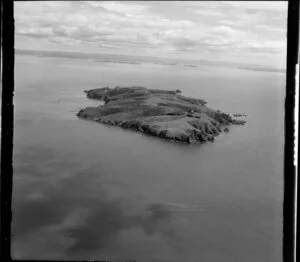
{"x":161,"y":113}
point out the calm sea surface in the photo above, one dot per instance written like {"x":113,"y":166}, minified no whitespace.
{"x":83,"y":190}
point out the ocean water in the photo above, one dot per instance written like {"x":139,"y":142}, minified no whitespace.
{"x":83,"y":190}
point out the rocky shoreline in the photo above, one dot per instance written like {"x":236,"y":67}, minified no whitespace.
{"x":162,"y":113}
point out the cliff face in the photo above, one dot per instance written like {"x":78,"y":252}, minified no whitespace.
{"x":161,"y":113}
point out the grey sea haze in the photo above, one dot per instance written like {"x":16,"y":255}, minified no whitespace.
{"x":83,"y":190}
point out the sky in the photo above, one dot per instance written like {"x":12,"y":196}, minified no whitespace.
{"x":233,"y":31}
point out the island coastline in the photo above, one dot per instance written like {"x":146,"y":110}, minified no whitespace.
{"x":161,"y":113}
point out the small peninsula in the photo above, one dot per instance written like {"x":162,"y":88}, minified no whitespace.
{"x":162,"y":113}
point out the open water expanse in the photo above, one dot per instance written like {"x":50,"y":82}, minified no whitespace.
{"x":83,"y":190}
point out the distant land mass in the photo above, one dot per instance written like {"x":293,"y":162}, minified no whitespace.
{"x":264,"y":69}
{"x":161,"y":113}
{"x":135,"y":60}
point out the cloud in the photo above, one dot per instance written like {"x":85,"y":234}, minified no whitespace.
{"x":205,"y":12}
{"x":267,"y":47}
{"x":107,"y":23}
{"x":277,"y":6}
{"x":36,"y":32}
{"x":155,"y":27}
{"x":128,"y":8}
{"x":272,"y":29}
{"x":224,"y":30}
